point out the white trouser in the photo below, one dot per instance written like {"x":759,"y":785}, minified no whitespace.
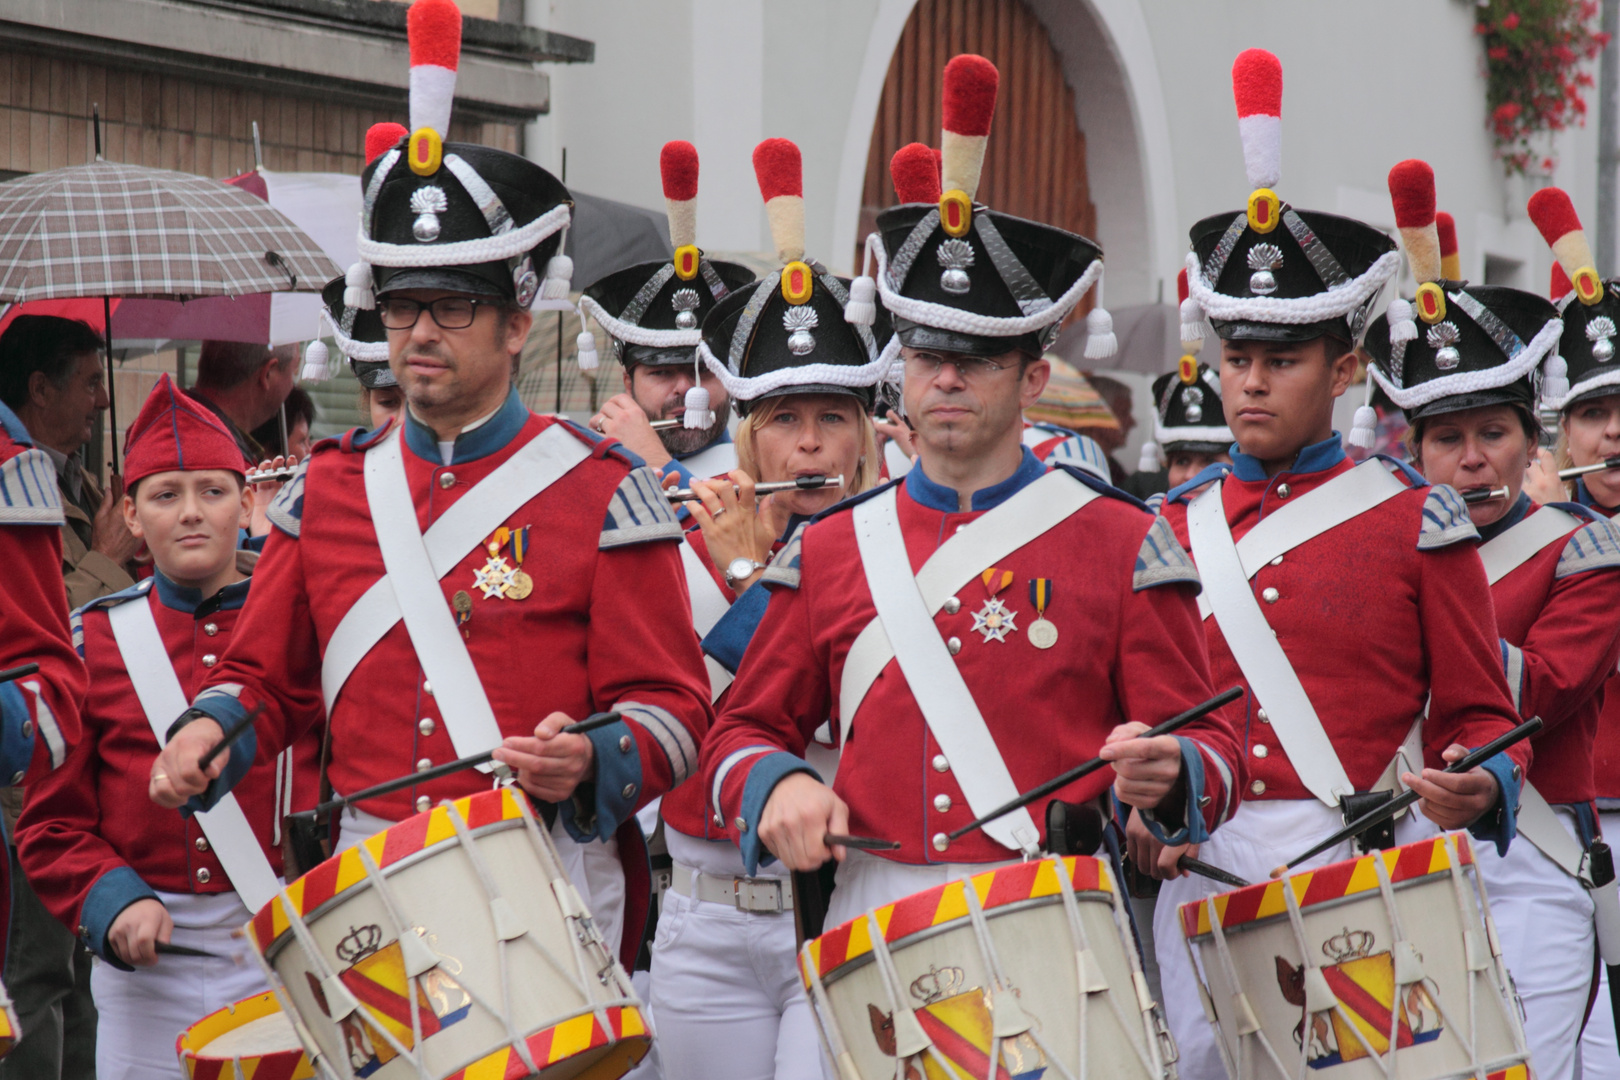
{"x":726,"y":994}
{"x":143,"y":1012}
{"x":1258,"y":838}
{"x":1600,"y":1053}
{"x":1544,"y":921}
{"x":594,"y":868}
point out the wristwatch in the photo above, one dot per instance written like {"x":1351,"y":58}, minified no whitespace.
{"x":739,"y":568}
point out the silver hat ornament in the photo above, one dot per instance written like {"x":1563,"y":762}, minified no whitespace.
{"x":955,"y":256}
{"x":427,"y":203}
{"x":1443,"y":339}
{"x":1263,"y":259}
{"x":798,"y":322}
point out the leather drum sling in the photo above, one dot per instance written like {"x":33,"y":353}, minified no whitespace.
{"x":162,"y":698}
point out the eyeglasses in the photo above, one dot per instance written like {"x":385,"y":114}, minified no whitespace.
{"x":449,"y":312}
{"x":970,"y":368}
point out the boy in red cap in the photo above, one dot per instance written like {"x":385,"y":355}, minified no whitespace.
{"x":127,"y":875}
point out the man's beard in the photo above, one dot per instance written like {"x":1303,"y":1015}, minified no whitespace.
{"x":680,"y":441}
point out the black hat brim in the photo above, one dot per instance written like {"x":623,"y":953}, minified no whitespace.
{"x":917,"y":336}
{"x":373,"y":374}
{"x":454,"y":279}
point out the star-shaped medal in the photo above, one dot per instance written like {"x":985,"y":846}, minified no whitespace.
{"x":495,"y":578}
{"x":994,"y":621}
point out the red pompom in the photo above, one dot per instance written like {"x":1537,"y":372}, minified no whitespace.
{"x":381,"y":138}
{"x":970,"y":94}
{"x":1411,"y":190}
{"x":1553,"y":213}
{"x":1446,"y":226}
{"x":434,"y":27}
{"x":779,"y":168}
{"x":678,"y":163}
{"x":1257,"y":83}
{"x":1561,"y":285}
{"x":939,"y":163}
{"x":915,"y":171}
{"x":1181,"y":285}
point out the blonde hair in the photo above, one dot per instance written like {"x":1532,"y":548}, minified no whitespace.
{"x":866,"y":470}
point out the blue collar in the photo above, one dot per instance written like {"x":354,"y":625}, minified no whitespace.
{"x":192,"y":602}
{"x":1583,"y":495}
{"x":1317,"y":457}
{"x":725,"y":437}
{"x":1514,"y":515}
{"x":946,"y":501}
{"x":481,"y":441}
{"x":14,"y":426}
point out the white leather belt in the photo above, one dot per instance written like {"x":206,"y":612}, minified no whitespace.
{"x":766,"y":895}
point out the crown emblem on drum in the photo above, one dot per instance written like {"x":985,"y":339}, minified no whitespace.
{"x":1350,"y":945}
{"x":359,"y":944}
{"x":938,"y":983}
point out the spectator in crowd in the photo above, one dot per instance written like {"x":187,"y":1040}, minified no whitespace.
{"x":244,"y":385}
{"x":300,"y":409}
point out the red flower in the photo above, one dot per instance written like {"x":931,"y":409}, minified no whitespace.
{"x":1511,"y":22}
{"x":1497,"y":52}
{"x":1508,"y":110}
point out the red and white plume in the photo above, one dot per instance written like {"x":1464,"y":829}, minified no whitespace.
{"x":434,"y":28}
{"x":915,"y":171}
{"x":1411,"y":192}
{"x":678,"y":164}
{"x":780,"y":172}
{"x":969,"y":106}
{"x":1560,"y":285}
{"x":1450,"y":261}
{"x":1257,"y":88}
{"x":381,"y":138}
{"x":1554,"y":214}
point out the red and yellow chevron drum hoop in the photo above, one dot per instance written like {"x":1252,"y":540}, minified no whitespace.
{"x":1392,"y":953}
{"x":1003,"y":969}
{"x":253,"y":1036}
{"x":452,"y":946}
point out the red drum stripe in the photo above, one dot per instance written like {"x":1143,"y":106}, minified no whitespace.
{"x":1328,"y":883}
{"x":485,"y":808}
{"x":1011,"y":884}
{"x":913,"y":913}
{"x":1414,"y":861}
{"x":406,"y":838}
{"x":320,"y":884}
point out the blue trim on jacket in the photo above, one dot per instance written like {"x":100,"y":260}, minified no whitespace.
{"x":226,"y":711}
{"x":1191,"y":829}
{"x":763,"y":777}
{"x":16,"y":749}
{"x":1499,"y":825}
{"x":501,"y":428}
{"x":14,"y":426}
{"x":1317,"y":457}
{"x":602,"y":805}
{"x":108,"y":897}
{"x":946,"y":500}
{"x":728,"y":639}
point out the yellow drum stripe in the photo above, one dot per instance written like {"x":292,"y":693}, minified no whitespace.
{"x":1363,"y":878}
{"x":952,"y":904}
{"x":1272,"y":901}
{"x":492,"y":1067}
{"x":1105,"y":879}
{"x":1046,"y":880}
{"x":351,"y":871}
{"x":439,"y":827}
{"x":571,"y":1037}
{"x":1440,"y":859}
{"x":860,"y":940}
{"x":375,"y":845}
{"x":884,"y":915}
{"x":295,"y":892}
{"x":630,"y":1023}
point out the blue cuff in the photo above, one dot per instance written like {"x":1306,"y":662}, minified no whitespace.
{"x":602,"y":805}
{"x":729,"y":637}
{"x":1191,"y":830}
{"x":227,"y":712}
{"x":16,"y":747}
{"x":763,"y":777}
{"x":1500,"y":823}
{"x":115,"y":891}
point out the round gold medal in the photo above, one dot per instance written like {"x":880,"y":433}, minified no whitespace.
{"x":462,"y":602}
{"x":1042,"y":634}
{"x":522,"y":585}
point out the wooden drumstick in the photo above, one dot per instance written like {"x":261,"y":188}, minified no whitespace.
{"x":1408,"y":797}
{"x":860,"y":843}
{"x":1209,"y":870}
{"x":21,"y":671}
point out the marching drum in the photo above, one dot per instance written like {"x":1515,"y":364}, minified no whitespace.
{"x":252,"y":1038}
{"x":451,"y":945}
{"x":1331,"y":968}
{"x":1032,"y":968}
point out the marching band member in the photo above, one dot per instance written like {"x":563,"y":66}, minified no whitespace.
{"x":724,"y":970}
{"x":1465,"y":387}
{"x":656,"y":338}
{"x":1289,"y":291}
{"x":129,"y":876}
{"x":1586,"y":398}
{"x":1189,"y":427}
{"x":1046,"y":585}
{"x":437,"y":664}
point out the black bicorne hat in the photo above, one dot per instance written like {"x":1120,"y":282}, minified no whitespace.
{"x":654,"y":314}
{"x":360,"y":337}
{"x":1589,"y":364}
{"x":1271,"y":272}
{"x":1187,"y":412}
{"x":456,"y":216}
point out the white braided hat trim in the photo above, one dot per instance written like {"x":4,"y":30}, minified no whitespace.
{"x":1332,"y":304}
{"x":1164,"y":436}
{"x":639,"y":335}
{"x":1469,"y":382}
{"x":370,"y":351}
{"x":506,"y":245}
{"x":944,"y":317}
{"x":1596,"y":382}
{"x":751,"y":389}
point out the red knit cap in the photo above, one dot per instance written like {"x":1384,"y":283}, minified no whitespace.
{"x":172,"y":433}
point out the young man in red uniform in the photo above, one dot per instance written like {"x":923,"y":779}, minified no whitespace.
{"x":1555,"y":585}
{"x":403,"y":583}
{"x":1362,"y":597}
{"x":1056,"y":615}
{"x":126,"y":874}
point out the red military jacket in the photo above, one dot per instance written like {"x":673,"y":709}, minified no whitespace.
{"x":90,"y":839}
{"x":1121,"y":597}
{"x":39,"y":714}
{"x":1374,"y":614}
{"x":1556,"y":613}
{"x":597,"y":631}
{"x":1606,"y":743}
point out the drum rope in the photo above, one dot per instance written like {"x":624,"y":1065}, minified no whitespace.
{"x":403,"y":932}
{"x":341,"y":1003}
{"x":1240,"y":1000}
{"x":1477,"y":966}
{"x":1196,"y":966}
{"x":905,"y":1018}
{"x":306,"y":1038}
{"x":1144,"y":998}
{"x":1313,"y":975}
{"x":832,"y":1037}
{"x":1001,"y":998}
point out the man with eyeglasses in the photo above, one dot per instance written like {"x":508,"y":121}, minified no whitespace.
{"x":421,"y":576}
{"x":979,"y":626}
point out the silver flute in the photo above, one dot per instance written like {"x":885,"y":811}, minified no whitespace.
{"x":1582,"y":470}
{"x":803,"y":483}
{"x":1479,"y":495}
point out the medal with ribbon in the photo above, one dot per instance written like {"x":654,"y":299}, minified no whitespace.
{"x":1042,"y":634}
{"x":522,"y":584}
{"x":494,"y":578}
{"x":994,"y":620}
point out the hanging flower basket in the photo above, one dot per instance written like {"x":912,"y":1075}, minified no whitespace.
{"x":1535,"y":82}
